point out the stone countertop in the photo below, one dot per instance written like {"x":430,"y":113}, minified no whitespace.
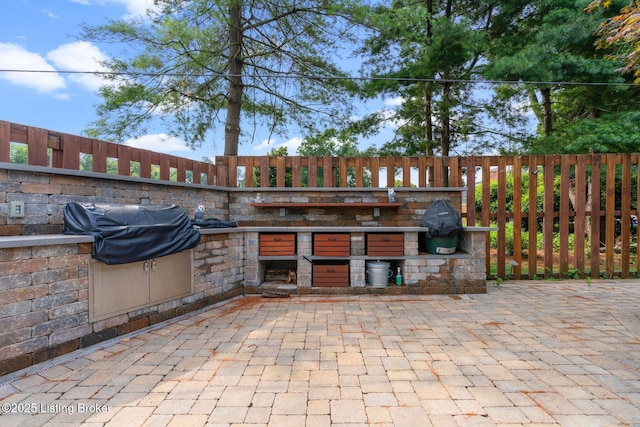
{"x":337,"y":229}
{"x":42,"y":240}
{"x":65,"y":239}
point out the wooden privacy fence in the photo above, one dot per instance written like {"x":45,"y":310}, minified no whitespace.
{"x":556,"y":215}
{"x":61,"y":150}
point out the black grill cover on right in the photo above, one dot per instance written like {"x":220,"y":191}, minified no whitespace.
{"x":441,"y":220}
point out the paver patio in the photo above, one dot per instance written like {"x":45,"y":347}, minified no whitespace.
{"x":525,"y":353}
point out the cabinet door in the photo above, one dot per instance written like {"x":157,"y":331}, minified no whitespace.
{"x":117,"y":289}
{"x":332,"y":244}
{"x":171,"y":276}
{"x":385,"y":244}
{"x":280,"y":244}
{"x":331,"y":275}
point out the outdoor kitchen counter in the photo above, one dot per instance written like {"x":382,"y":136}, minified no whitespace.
{"x":65,"y":239}
{"x":42,"y":240}
{"x":336,"y":229}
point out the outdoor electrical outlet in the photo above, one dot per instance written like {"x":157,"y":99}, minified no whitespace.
{"x":17,"y":210}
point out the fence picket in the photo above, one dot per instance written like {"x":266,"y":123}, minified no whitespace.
{"x":565,"y":183}
{"x":610,"y":214}
{"x":579,"y":225}
{"x":501,"y":214}
{"x":37,"y":146}
{"x":280,"y":172}
{"x":5,"y":141}
{"x":471,"y":189}
{"x":232,"y":168}
{"x":342,"y":167}
{"x":486,"y":197}
{"x":625,"y":215}
{"x":517,"y":217}
{"x":296,"y":172}
{"x":99,"y":159}
{"x":596,"y":171}
{"x":547,"y":233}
{"x":533,"y":216}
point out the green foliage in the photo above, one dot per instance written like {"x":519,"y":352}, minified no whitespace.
{"x":424,"y":40}
{"x":493,"y":195}
{"x":18,"y":154}
{"x":621,"y":32}
{"x":191,"y":63}
{"x":334,"y":143}
{"x":548,"y":42}
{"x":611,"y":133}
{"x":509,"y":240}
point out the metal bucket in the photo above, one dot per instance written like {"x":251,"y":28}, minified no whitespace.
{"x":378,"y":273}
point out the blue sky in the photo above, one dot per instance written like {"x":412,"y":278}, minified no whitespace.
{"x":44,"y":35}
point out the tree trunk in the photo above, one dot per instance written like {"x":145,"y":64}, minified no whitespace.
{"x":445,"y":125}
{"x":428,"y":98}
{"x":546,"y":109}
{"x":572,"y":199}
{"x":236,"y":62}
{"x":428,"y":127}
{"x":587,"y":219}
{"x":428,"y":119}
{"x":445,"y":128}
{"x":535,"y":103}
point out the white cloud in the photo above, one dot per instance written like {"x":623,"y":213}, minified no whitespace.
{"x":292,"y":145}
{"x":137,"y":8}
{"x":270,"y":144}
{"x":160,"y":142}
{"x":394,"y":102}
{"x":134,"y":8}
{"x":264,"y":146}
{"x":50,"y":14}
{"x":14,"y":57}
{"x":80,"y":56}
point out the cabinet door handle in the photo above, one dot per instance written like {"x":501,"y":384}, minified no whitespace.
{"x":153,"y":265}
{"x":145,"y":267}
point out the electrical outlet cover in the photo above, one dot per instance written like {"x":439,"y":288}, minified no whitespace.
{"x":17,"y":209}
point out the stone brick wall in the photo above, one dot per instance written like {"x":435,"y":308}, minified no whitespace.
{"x":447,"y":274}
{"x":46,"y":191}
{"x":460,"y":273}
{"x":218,"y":265}
{"x":44,"y":309}
{"x":414,"y":203}
{"x":44,"y":300}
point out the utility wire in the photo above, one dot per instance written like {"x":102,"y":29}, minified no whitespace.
{"x":303,"y":76}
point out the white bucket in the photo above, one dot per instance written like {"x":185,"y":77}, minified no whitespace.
{"x":378,"y":273}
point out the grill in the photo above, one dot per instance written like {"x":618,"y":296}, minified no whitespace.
{"x":130,"y":233}
{"x":444,"y":226}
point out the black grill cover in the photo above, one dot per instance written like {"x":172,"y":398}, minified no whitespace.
{"x":442,"y":220}
{"x":130,"y":233}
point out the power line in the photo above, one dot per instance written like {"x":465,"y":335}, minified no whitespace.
{"x":304,"y":76}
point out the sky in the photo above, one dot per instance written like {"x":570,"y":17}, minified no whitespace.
{"x":44,"y":35}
